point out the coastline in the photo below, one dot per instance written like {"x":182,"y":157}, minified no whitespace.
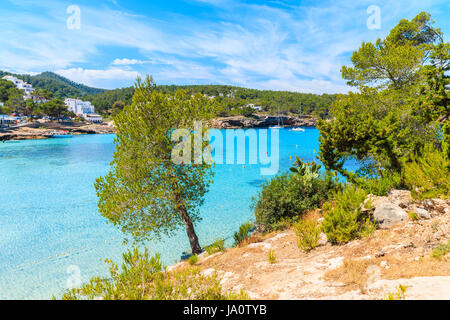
{"x":41,"y":130}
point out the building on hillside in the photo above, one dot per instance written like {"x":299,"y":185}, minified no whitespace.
{"x":38,"y":99}
{"x":93,"y":117}
{"x":22,"y":85}
{"x":257,"y":108}
{"x":6,"y":120}
{"x":84,"y":109}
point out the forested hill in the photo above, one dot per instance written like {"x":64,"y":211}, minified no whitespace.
{"x":232,"y":98}
{"x":60,"y":86}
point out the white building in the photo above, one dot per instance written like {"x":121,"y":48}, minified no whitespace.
{"x":84,"y":109}
{"x":22,"y":85}
{"x":257,"y":108}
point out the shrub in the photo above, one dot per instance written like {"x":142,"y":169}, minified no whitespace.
{"x":441,"y":251}
{"x":382,"y":185}
{"x":344,"y":219}
{"x":413,"y":215}
{"x":291,"y":194}
{"x":399,"y":295}
{"x":217,"y":246}
{"x":308,"y":232}
{"x":352,"y":272}
{"x":428,"y":176}
{"x":271,"y":257}
{"x":143,"y":277}
{"x":243,"y":233}
{"x":193,"y":259}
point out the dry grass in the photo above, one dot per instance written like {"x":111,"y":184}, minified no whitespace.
{"x":250,"y":240}
{"x":353,"y":273}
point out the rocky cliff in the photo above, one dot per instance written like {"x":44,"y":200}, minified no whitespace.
{"x":262,"y":121}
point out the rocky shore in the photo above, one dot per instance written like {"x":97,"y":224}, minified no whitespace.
{"x":42,"y":130}
{"x":262,"y":121}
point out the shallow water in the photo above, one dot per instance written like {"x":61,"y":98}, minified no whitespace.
{"x":50,"y":225}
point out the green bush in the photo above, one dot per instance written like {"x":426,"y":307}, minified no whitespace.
{"x":271,"y":257}
{"x":446,"y":142}
{"x":382,"y":185}
{"x":144,"y":278}
{"x":217,"y":246}
{"x":243,"y":233}
{"x":413,"y":215}
{"x":291,"y":194}
{"x":428,"y":176}
{"x":344,"y":219}
{"x":193,"y":259}
{"x":308,"y":233}
{"x":441,"y":251}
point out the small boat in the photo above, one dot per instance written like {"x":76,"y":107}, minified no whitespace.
{"x":298,"y":129}
{"x":60,"y":134}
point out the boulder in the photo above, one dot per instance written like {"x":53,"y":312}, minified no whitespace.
{"x":422,"y":213}
{"x":402,"y":198}
{"x":388,"y":214}
{"x":323,"y":240}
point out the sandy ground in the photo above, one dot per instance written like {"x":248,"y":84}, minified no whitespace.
{"x":370,"y":268}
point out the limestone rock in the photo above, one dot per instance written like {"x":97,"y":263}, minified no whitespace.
{"x":422,"y":213}
{"x":323,"y":240}
{"x":388,"y":214}
{"x":402,"y":198}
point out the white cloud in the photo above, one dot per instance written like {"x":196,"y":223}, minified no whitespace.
{"x":290,"y":47}
{"x":96,"y":78}
{"x":127,"y":62}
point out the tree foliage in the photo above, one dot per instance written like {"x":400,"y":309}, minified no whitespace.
{"x":61,"y":87}
{"x":143,"y":277}
{"x":231,"y":98}
{"x":401,"y":94}
{"x":145,"y":192}
{"x":291,"y":194}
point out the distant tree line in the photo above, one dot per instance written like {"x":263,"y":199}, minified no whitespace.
{"x":232,"y":99}
{"x":14,"y":102}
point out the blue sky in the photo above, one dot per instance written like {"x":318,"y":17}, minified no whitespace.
{"x":279,"y":45}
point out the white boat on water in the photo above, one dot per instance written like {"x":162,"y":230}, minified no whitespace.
{"x":298,"y":129}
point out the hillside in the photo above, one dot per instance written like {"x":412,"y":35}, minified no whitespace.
{"x":231,"y":98}
{"x":60,"y":86}
{"x":412,"y":253}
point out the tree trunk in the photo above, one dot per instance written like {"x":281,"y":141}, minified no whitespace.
{"x":193,"y":239}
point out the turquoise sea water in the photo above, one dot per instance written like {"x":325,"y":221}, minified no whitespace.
{"x":49,"y":219}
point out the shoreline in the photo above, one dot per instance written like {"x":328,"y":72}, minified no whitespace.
{"x":41,"y":130}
